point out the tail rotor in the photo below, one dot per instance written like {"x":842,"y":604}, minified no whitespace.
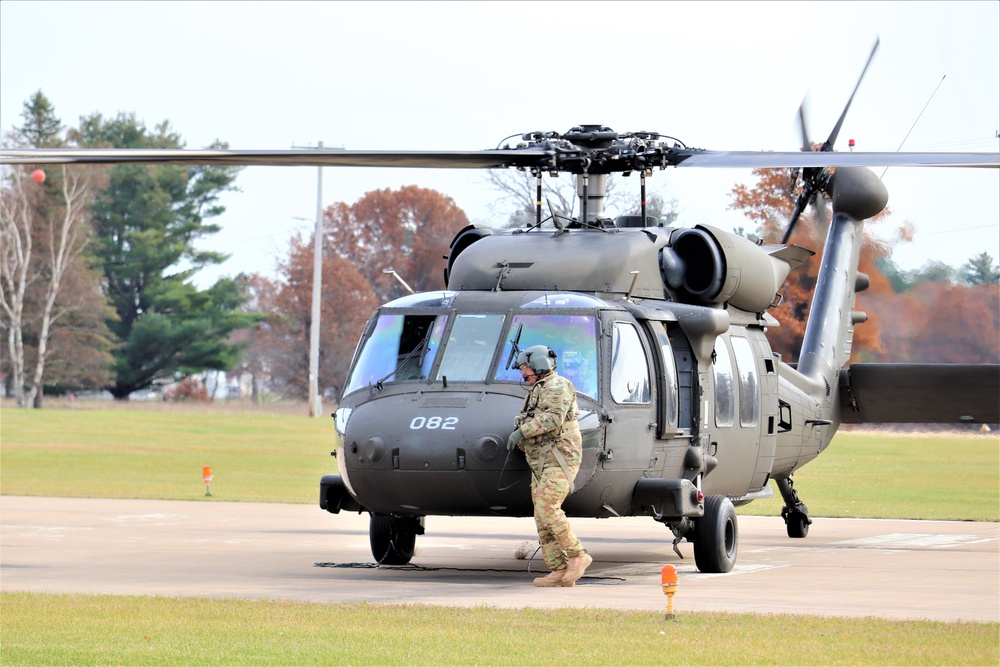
{"x":816,"y":180}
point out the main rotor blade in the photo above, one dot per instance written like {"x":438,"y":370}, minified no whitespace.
{"x":325,"y":157}
{"x":532,"y":156}
{"x":767,"y":160}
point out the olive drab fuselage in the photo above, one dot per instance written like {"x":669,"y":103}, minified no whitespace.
{"x":685,"y":411}
{"x":679,"y":398}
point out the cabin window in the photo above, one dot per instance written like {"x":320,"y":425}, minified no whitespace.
{"x":572,"y":337}
{"x":400,"y":347}
{"x":470,"y":348}
{"x":725,"y":390}
{"x":746,"y":367}
{"x":629,"y":367}
{"x":669,"y":380}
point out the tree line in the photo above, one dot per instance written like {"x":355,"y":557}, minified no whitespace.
{"x":97,"y":264}
{"x":935,"y":314}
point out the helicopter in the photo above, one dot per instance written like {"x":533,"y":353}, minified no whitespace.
{"x":686,"y":411}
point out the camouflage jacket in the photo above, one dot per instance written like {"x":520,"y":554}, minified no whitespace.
{"x":549,"y":419}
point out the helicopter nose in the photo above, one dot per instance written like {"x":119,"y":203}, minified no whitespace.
{"x":400,"y":433}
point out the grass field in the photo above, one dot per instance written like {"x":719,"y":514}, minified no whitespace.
{"x":116,"y":453}
{"x":112,"y":453}
{"x":262,"y":457}
{"x":112,"y":630}
{"x":880,"y":475}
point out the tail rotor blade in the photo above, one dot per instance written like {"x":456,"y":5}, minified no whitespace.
{"x":828,"y":146}
{"x":803,"y":130}
{"x":815,"y":179}
{"x":800,"y":206}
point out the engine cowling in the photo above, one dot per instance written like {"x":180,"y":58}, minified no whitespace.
{"x":706,"y":265}
{"x":700,"y":266}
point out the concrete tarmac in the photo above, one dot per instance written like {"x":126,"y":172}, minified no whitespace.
{"x":846,"y":567}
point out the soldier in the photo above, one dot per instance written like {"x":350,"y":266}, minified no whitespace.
{"x":549,"y":435}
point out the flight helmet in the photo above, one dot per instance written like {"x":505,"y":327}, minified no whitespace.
{"x":539,"y":358}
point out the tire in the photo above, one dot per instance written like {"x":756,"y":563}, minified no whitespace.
{"x":716,"y":536}
{"x":392,"y":542}
{"x":797,"y":524}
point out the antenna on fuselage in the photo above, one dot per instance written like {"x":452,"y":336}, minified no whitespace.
{"x":401,"y":281}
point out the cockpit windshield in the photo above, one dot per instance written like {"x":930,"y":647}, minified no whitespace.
{"x":471,"y":346}
{"x":401,"y":347}
{"x":405,"y":347}
{"x":572,"y":337}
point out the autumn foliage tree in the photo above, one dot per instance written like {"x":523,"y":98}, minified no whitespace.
{"x":941,"y":321}
{"x":769,"y":205}
{"x":280,"y":345}
{"x":925,"y":316}
{"x":407,"y":230}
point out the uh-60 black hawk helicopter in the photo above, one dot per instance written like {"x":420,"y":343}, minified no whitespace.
{"x":685,"y":410}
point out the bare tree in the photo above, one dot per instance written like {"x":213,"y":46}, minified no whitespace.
{"x":519,"y":195}
{"x":60,"y":234}
{"x":16,"y":270}
{"x":67,"y":237}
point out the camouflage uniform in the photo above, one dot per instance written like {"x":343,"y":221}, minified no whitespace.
{"x":548,"y":422}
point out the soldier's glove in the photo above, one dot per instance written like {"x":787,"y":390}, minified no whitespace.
{"x":514,"y":438}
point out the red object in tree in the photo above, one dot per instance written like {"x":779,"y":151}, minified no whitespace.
{"x":38,"y":176}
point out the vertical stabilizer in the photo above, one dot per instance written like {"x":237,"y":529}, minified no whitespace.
{"x":857,"y":194}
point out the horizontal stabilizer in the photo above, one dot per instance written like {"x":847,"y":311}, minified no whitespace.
{"x":920,"y":393}
{"x":792,"y":254}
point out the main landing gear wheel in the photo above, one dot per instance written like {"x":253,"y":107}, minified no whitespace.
{"x":797,"y":523}
{"x":716,"y":536}
{"x":393,"y":538}
{"x":795,"y":513}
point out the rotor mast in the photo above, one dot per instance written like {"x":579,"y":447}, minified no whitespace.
{"x":591,"y":189}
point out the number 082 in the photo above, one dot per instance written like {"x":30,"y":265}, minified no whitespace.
{"x":434,"y":423}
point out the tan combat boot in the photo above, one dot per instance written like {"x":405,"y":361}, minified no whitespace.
{"x":551,"y":579}
{"x":577,"y":566}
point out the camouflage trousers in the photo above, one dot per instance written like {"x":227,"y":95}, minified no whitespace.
{"x":558,"y":541}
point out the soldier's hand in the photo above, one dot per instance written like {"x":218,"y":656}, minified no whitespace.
{"x":514,"y":438}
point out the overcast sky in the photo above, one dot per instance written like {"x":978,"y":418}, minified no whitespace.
{"x":464,"y":75}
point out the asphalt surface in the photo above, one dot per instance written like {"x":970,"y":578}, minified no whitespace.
{"x":845,"y":567}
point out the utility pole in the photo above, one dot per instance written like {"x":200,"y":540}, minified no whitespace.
{"x":315,"y":400}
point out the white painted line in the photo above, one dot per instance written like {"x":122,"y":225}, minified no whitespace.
{"x":914,"y":540}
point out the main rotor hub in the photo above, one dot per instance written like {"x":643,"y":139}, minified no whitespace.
{"x":597,"y":149}
{"x":592,"y":136}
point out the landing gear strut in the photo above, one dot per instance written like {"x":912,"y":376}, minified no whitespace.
{"x":795,"y":513}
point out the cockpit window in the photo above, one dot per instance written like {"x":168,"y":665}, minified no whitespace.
{"x":470,"y":348}
{"x":629,"y":368}
{"x":401,"y":347}
{"x":572,"y":337}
